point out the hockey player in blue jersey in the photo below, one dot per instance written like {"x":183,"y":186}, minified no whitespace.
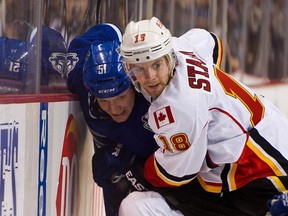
{"x":16,"y":57}
{"x":113,"y":111}
{"x":17,"y":63}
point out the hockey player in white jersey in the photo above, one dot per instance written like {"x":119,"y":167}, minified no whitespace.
{"x":209,"y":126}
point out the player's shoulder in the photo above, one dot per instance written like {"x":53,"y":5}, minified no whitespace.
{"x":205,"y":44}
{"x":194,"y":36}
{"x":196,"y":33}
{"x":193,"y":40}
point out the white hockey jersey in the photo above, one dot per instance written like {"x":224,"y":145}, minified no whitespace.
{"x":210,"y":126}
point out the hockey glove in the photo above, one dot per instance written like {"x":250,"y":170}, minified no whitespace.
{"x":278,"y":206}
{"x":132,"y":180}
{"x":109,"y":160}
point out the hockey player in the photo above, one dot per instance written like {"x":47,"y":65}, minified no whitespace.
{"x":114,"y":112}
{"x":16,"y":57}
{"x":209,"y":126}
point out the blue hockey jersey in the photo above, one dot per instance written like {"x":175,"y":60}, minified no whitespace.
{"x":134,"y":135}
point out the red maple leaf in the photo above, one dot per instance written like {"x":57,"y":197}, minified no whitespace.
{"x":161,"y":117}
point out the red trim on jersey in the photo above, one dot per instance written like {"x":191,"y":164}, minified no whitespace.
{"x":226,"y":113}
{"x":209,"y":161}
{"x":150,"y":173}
{"x":210,"y":186}
{"x":250,"y":167}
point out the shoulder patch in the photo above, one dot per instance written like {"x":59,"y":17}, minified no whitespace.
{"x":163,"y":117}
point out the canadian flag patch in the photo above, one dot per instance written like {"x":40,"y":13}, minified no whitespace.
{"x":163,"y":117}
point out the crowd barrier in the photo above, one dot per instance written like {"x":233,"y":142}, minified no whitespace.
{"x":45,"y":158}
{"x":46,"y":151}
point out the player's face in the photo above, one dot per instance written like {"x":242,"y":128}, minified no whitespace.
{"x":119,"y":107}
{"x":153,"y":76}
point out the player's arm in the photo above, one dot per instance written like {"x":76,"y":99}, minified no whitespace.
{"x":110,"y":161}
{"x":100,"y":140}
{"x":179,"y":161}
{"x":173,"y":170}
{"x":183,"y":144}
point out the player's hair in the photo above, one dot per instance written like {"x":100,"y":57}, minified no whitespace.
{"x":103,"y":72}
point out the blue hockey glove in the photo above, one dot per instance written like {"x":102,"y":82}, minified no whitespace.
{"x":278,"y":205}
{"x":109,"y":160}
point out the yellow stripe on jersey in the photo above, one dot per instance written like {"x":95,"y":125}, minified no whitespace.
{"x":232,"y":177}
{"x":213,"y":188}
{"x":217,"y":51}
{"x":271,"y":162}
{"x":167,"y":180}
{"x":277,"y":183}
{"x":220,"y":52}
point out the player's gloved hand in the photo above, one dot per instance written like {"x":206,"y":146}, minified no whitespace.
{"x":132,"y":180}
{"x":278,"y":205}
{"x":109,"y":160}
